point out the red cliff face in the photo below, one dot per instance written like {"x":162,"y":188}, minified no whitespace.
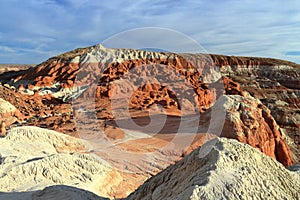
{"x":250,"y":122}
{"x":163,"y":90}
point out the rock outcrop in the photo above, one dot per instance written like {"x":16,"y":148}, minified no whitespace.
{"x":222,"y":169}
{"x":251,"y":122}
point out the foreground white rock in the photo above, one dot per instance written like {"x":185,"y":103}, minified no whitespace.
{"x":33,"y":158}
{"x":52,"y":193}
{"x":229,"y":170}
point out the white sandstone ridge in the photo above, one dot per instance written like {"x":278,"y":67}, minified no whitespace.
{"x":222,"y":169}
{"x":33,"y":158}
{"x":276,"y":72}
{"x":99,"y":53}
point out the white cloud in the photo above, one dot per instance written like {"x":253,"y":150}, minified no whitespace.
{"x":260,"y":28}
{"x":6,"y":49}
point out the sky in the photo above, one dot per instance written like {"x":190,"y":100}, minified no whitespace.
{"x":32,"y":31}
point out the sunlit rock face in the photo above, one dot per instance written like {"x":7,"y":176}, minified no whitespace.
{"x":222,"y":169}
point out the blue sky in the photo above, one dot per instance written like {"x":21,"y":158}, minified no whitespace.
{"x":33,"y":30}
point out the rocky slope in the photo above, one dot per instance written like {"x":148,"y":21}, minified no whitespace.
{"x":222,"y":169}
{"x":43,"y":111}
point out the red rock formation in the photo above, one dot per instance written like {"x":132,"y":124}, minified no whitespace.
{"x":232,"y":87}
{"x":250,"y":122}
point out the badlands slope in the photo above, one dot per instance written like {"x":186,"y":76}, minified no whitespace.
{"x":120,"y":116}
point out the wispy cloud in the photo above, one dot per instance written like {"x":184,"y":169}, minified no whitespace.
{"x":45,"y":28}
{"x":5,"y":49}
